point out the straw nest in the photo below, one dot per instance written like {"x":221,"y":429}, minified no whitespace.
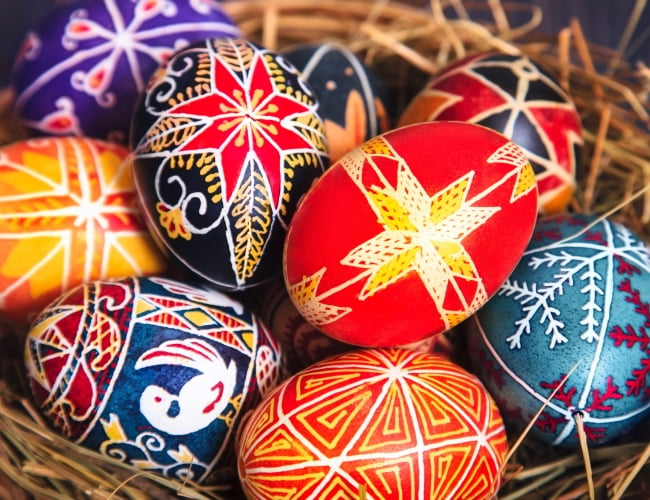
{"x":404,"y":44}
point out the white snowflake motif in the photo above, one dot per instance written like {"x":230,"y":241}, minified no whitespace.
{"x":590,"y":260}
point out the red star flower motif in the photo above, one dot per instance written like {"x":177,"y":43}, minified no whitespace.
{"x":246,"y":115}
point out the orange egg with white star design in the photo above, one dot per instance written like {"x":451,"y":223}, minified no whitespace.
{"x":69,"y":215}
{"x":410,"y":233}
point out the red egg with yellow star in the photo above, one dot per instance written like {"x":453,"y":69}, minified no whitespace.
{"x":410,"y":233}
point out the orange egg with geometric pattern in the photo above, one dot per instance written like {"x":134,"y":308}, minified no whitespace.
{"x":410,"y":233}
{"x":375,"y":423}
{"x":69,"y":215}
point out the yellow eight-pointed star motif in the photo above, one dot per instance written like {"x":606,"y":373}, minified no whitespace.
{"x":420,"y":234}
{"x":424,"y":234}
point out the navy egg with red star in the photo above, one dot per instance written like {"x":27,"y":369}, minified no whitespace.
{"x":226,"y":140}
{"x":514,"y":95}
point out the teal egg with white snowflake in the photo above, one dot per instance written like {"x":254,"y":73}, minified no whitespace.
{"x":566,"y":339}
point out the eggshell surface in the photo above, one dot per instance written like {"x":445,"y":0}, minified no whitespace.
{"x":352,"y":98}
{"x":153,"y":372}
{"x":226,"y":139}
{"x":573,"y":316}
{"x":68,"y":215}
{"x":403,"y":237}
{"x":399,"y":423}
{"x":515,"y":96}
{"x":82,"y":68}
{"x":303,"y":344}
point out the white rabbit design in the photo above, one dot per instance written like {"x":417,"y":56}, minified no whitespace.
{"x":201,"y":400}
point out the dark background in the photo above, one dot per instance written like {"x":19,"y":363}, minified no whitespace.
{"x":603,"y":22}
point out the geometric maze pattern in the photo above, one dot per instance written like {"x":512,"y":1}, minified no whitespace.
{"x":398,"y":423}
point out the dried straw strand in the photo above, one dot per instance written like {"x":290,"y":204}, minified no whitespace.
{"x":626,"y":36}
{"x":535,"y":485}
{"x":578,"y":418}
{"x":596,"y":158}
{"x":630,"y":476}
{"x":500,"y":16}
{"x":381,"y":38}
{"x":270,"y":23}
{"x":531,"y":422}
{"x":585,"y":56}
{"x":563,"y":45}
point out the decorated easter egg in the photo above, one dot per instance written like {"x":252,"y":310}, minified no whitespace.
{"x":352,"y":98}
{"x":375,"y":423}
{"x":153,"y":372}
{"x":226,"y":139}
{"x":403,"y":237}
{"x":303,"y":344}
{"x":82,"y":68}
{"x":69,"y":215}
{"x":568,"y":327}
{"x":515,"y":96}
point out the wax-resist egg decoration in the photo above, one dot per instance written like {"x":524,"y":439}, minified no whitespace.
{"x":226,"y":139}
{"x":154,"y":372}
{"x":515,"y":96}
{"x":352,"y":98}
{"x":390,"y":423}
{"x":572,"y":316}
{"x":69,"y":215}
{"x":403,"y":237}
{"x":82,"y":68}
{"x":303,"y":344}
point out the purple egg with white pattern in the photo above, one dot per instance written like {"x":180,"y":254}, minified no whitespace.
{"x":82,"y":68}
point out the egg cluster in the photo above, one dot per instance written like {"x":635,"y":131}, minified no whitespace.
{"x":244,"y":268}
